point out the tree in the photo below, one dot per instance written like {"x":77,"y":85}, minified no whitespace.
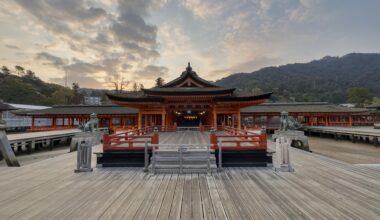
{"x":19,"y":70}
{"x":119,"y":84}
{"x":135,"y":87}
{"x":141,"y":87}
{"x":159,"y":82}
{"x":375,"y":100}
{"x":30,"y":74}
{"x":77,"y":96}
{"x":359,"y":96}
{"x":5,"y":70}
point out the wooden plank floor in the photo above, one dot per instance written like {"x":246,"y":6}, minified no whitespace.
{"x":40,"y":134}
{"x":320,"y":188}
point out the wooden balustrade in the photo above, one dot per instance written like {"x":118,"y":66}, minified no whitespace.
{"x":130,"y":140}
{"x":236,"y":139}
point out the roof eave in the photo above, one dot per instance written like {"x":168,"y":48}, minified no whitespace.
{"x":119,"y":98}
{"x":242,"y":98}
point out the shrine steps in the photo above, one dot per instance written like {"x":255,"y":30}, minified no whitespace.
{"x":172,"y":161}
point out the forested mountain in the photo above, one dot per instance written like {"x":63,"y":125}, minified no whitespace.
{"x":333,"y":79}
{"x":327,"y":79}
{"x":29,"y":89}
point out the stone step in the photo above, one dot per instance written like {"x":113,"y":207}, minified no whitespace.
{"x":177,"y":154}
{"x":185,"y":158}
{"x":185,"y":168}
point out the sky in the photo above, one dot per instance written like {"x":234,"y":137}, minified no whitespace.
{"x":96,"y":42}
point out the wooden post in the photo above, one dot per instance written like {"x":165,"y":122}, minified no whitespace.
{"x":263,"y":139}
{"x":54,"y":122}
{"x":32,"y":123}
{"x":146,"y":157}
{"x":106,"y":142}
{"x":239,"y":119}
{"x":139,"y":120}
{"x":350,"y":120}
{"x":213,"y":139}
{"x":163,"y":118}
{"x":220,"y":156}
{"x":110,"y":122}
{"x":311,"y":121}
{"x":214,"y":122}
{"x":155,"y":137}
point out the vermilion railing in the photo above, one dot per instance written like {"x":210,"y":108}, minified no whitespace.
{"x":237,"y":139}
{"x":205,"y":128}
{"x":124,"y":128}
{"x":130,"y":140}
{"x":169,"y":128}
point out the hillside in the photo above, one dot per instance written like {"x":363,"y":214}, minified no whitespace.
{"x":326,"y":79}
{"x":32,"y":90}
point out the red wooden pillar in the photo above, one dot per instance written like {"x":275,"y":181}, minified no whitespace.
{"x":139,"y":120}
{"x":214,"y":121}
{"x":32,"y":123}
{"x":110,"y":122}
{"x":238,"y":119}
{"x":350,"y":120}
{"x":311,"y":120}
{"x":54,"y":122}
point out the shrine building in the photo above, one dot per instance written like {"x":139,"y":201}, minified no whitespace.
{"x":188,"y":101}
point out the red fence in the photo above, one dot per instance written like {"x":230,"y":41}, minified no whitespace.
{"x":237,"y":139}
{"x":130,"y":140}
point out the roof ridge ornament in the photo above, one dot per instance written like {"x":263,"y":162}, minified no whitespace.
{"x":188,"y":68}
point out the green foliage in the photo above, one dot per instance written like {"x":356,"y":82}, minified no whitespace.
{"x":32,"y":90}
{"x":359,"y":96}
{"x":5,"y":70}
{"x":159,"y":82}
{"x":375,"y":100}
{"x":327,"y":79}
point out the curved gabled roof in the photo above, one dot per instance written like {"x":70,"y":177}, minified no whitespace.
{"x":177,"y":91}
{"x":136,"y":97}
{"x":189,"y":73}
{"x":242,"y":98}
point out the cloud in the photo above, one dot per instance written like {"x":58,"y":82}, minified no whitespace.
{"x":302,"y":11}
{"x":52,"y":60}
{"x":152,"y":72}
{"x":10,"y":46}
{"x":247,"y":66}
{"x":98,"y":42}
{"x":204,"y":8}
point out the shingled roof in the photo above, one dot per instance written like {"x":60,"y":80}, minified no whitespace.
{"x":375,"y":105}
{"x":6,"y":107}
{"x":312,"y":107}
{"x":189,"y":73}
{"x":82,"y":110}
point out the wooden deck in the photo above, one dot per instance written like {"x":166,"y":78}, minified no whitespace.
{"x":41,"y":135}
{"x":319,"y":188}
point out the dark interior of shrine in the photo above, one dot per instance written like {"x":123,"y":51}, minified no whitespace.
{"x":190,"y":118}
